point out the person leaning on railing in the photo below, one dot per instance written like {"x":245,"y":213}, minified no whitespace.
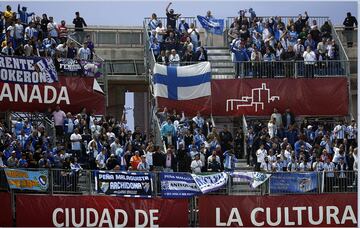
{"x":349,"y":23}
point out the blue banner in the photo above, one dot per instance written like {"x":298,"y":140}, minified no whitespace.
{"x":28,"y":70}
{"x":178,"y":185}
{"x":215,"y":26}
{"x":283,"y":182}
{"x":27,"y":180}
{"x":131,"y":184}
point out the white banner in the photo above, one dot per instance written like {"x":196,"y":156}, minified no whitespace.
{"x":254,"y":178}
{"x":212,"y":182}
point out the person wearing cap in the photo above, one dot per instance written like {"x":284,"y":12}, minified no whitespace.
{"x":183,"y":26}
{"x":143,"y":165}
{"x":171,"y":16}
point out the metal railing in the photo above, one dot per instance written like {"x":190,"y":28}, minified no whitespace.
{"x":124,"y":67}
{"x":345,"y":35}
{"x":285,"y":19}
{"x":163,"y":20}
{"x":82,"y":182}
{"x":114,"y":36}
{"x":278,"y":69}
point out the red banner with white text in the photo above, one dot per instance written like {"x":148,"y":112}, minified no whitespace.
{"x":99,"y":211}
{"x":258,"y":97}
{"x":282,"y":211}
{"x":71,"y":93}
{"x":5,"y":210}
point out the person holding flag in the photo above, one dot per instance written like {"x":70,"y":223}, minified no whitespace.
{"x":211,"y":26}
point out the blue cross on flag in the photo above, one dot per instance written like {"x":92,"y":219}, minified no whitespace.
{"x":182,"y":82}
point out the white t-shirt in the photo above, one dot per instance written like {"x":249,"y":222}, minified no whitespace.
{"x":84,"y":53}
{"x":75,"y":145}
{"x":196,"y":166}
{"x":261,"y":154}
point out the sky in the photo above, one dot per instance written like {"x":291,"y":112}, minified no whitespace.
{"x":132,"y":13}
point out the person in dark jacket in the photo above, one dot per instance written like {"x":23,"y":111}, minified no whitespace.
{"x":288,"y":118}
{"x":201,"y":54}
{"x":349,"y":23}
{"x":288,"y":56}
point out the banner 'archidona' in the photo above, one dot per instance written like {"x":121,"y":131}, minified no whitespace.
{"x":32,"y":85}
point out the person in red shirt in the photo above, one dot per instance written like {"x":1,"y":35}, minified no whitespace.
{"x":63,"y":31}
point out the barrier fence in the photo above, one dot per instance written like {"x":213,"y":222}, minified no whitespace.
{"x":83,"y":182}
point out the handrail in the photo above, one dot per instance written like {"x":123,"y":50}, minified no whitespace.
{"x":79,"y":44}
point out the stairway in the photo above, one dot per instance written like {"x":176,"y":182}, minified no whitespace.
{"x":221,"y":65}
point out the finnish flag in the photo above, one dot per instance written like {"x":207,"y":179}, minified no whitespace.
{"x":182,"y":82}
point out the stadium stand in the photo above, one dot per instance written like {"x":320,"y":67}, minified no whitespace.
{"x":280,"y":143}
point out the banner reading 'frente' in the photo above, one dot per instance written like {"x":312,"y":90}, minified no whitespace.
{"x":99,"y":211}
{"x":331,"y":210}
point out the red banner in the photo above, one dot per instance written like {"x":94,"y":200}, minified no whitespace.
{"x":258,"y":97}
{"x":5,"y":209}
{"x":99,"y":211}
{"x":289,"y":210}
{"x":71,"y":93}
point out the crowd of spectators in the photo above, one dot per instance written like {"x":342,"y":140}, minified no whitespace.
{"x":27,"y":34}
{"x":253,"y":39}
{"x":172,"y":44}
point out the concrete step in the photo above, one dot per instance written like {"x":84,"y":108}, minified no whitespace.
{"x":219,"y":58}
{"x":225,"y":64}
{"x":216,"y":48}
{"x":223,"y":70}
{"x":218,"y":52}
{"x":222,"y":76}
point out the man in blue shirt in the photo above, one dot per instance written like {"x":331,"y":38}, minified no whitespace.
{"x":241,"y":55}
{"x":24,"y":15}
{"x":168,"y":133}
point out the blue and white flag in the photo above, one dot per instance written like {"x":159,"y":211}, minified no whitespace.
{"x":211,"y":182}
{"x":253,"y":178}
{"x":215,"y":26}
{"x":178,"y":185}
{"x":284,"y":182}
{"x":182,"y":82}
{"x":48,"y":70}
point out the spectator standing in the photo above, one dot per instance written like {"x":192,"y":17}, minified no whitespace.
{"x":196,"y":164}
{"x":349,"y":23}
{"x":209,"y":39}
{"x":76,"y":140}
{"x":154,"y":22}
{"x":143,"y":165}
{"x":261,"y":153}
{"x":24,"y":15}
{"x":63,"y":31}
{"x":101,"y":159}
{"x":183,"y":26}
{"x":171,"y":17}
{"x":52,"y":29}
{"x":84,"y":52}
{"x":194,"y":35}
{"x":59,"y":117}
{"x":309,"y":62}
{"x":79,"y":23}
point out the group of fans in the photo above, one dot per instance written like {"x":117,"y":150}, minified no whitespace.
{"x":26,"y":34}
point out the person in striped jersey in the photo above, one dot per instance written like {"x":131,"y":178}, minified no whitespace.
{"x":339,"y":132}
{"x":351,"y":132}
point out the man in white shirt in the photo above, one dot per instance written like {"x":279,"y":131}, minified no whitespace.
{"x":62,"y":49}
{"x":52,"y":28}
{"x":266,"y":165}
{"x":76,"y":139}
{"x":114,"y":146}
{"x":174,"y":58}
{"x":84,"y":52}
{"x":160,"y":32}
{"x":309,"y":61}
{"x":28,"y":49}
{"x":194,"y":35}
{"x":100,"y":159}
{"x":329,"y":168}
{"x":339,"y":132}
{"x":196,"y":164}
{"x":261,"y":153}
{"x":351,"y":132}
{"x":19,"y":32}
